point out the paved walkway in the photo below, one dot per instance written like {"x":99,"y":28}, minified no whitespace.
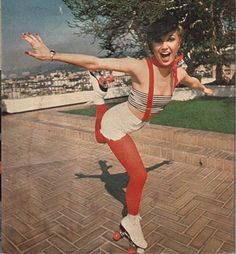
{"x":62,"y":194}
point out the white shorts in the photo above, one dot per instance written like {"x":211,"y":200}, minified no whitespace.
{"x":118,"y":121}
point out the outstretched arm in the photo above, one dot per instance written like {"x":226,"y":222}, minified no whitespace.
{"x":193,"y":82}
{"x":41,"y":52}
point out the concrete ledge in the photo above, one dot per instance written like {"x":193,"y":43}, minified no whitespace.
{"x":185,"y":94}
{"x":51,"y":101}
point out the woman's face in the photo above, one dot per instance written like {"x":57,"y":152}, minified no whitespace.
{"x":166,"y":49}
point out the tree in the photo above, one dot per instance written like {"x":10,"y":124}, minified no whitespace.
{"x":210,"y":33}
{"x":117,"y":24}
{"x":120,"y":27}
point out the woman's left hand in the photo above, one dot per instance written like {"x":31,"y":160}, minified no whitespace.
{"x":208,"y":91}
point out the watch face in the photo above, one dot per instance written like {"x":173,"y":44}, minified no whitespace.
{"x":53,"y":52}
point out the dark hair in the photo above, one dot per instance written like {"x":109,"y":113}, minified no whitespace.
{"x":161,"y":27}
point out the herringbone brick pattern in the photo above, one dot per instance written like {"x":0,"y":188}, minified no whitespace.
{"x":66,"y":195}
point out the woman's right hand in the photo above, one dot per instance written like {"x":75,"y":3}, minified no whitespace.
{"x":39,"y":50}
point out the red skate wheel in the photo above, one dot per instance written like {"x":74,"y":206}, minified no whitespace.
{"x":116,"y":236}
{"x":131,"y":250}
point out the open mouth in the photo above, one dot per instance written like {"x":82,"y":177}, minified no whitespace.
{"x":165,"y":54}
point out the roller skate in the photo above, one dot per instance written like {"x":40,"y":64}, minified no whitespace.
{"x":99,"y":84}
{"x":130,"y":228}
{"x":100,"y":87}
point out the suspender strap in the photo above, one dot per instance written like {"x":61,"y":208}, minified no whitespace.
{"x":178,"y":59}
{"x":147,"y":113}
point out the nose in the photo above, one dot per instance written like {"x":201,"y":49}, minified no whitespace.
{"x":164,"y":44}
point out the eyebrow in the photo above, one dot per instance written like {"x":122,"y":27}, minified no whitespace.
{"x":167,"y":37}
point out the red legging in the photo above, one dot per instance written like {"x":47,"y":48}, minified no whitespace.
{"x":126,"y":152}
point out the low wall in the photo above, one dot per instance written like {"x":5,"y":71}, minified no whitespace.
{"x":185,"y":94}
{"x":49,"y":101}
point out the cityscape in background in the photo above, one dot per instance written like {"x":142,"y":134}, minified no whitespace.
{"x":67,"y":81}
{"x":55,"y":82}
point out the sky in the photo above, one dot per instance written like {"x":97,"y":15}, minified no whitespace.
{"x":46,"y":17}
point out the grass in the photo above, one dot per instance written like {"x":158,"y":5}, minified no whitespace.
{"x":90,"y":111}
{"x":210,"y":114}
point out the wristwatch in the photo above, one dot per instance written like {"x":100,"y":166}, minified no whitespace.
{"x":52,"y":52}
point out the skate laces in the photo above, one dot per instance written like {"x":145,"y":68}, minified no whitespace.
{"x":139,"y":218}
{"x":136,"y":219}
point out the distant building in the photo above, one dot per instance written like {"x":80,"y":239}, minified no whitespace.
{"x":57,"y":82}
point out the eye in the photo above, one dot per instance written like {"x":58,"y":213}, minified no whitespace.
{"x":171,"y":38}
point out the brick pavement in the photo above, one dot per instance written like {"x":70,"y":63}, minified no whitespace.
{"x":63,"y":193}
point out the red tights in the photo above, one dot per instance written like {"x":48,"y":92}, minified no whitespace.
{"x":126,"y":152}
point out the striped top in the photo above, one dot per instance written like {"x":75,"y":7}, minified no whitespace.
{"x":139,"y":100}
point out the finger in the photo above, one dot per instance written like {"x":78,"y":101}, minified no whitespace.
{"x":30,"y":39}
{"x":39,"y":38}
{"x":29,"y":53}
{"x":30,"y":35}
{"x":25,"y":37}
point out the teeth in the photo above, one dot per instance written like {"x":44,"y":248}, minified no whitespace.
{"x":165,"y":53}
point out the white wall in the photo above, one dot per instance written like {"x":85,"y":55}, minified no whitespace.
{"x":184,"y":94}
{"x":42,"y":102}
{"x":49,"y":101}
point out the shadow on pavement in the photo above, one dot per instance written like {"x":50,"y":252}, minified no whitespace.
{"x":115,"y":183}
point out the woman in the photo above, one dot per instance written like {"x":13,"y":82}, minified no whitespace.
{"x":153,"y":83}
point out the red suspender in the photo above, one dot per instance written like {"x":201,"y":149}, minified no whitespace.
{"x":174,"y":69}
{"x":147,"y":113}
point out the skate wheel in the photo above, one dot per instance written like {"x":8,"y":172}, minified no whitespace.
{"x":116,"y":236}
{"x":131,"y":250}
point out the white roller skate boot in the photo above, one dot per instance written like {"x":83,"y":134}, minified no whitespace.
{"x":131,"y":224}
{"x":100,"y":91}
